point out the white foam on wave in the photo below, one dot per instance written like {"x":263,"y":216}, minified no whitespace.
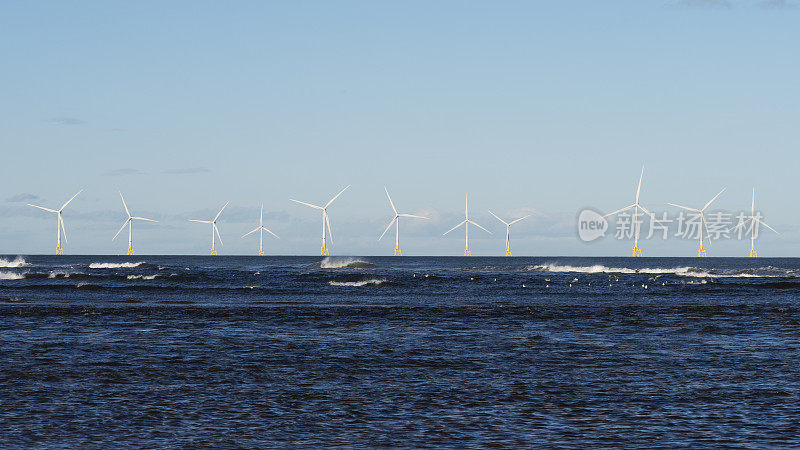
{"x":16,"y":262}
{"x":679,"y":271}
{"x":11,"y":276}
{"x":142,"y":277}
{"x":340,"y":263}
{"x":125,"y":265}
{"x":373,"y":282}
{"x":60,"y":274}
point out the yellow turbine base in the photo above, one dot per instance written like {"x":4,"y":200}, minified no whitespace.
{"x":397,"y":251}
{"x":636,"y":250}
{"x":324,"y":251}
{"x":753,"y":251}
{"x":130,"y":250}
{"x":213,"y":250}
{"x":59,"y":250}
{"x":701,"y":253}
{"x":508,"y":252}
{"x":467,"y":252}
{"x":260,"y":252}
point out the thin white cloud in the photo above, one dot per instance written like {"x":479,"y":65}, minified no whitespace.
{"x":123,"y":171}
{"x":66,"y":120}
{"x":22,"y":197}
{"x":187,"y":171}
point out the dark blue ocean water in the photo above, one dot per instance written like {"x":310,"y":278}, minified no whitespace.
{"x":153,"y":351}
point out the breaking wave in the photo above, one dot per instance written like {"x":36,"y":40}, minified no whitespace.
{"x":679,"y":271}
{"x":16,"y":262}
{"x":341,"y":263}
{"x":125,"y":265}
{"x":142,"y":277}
{"x":11,"y":276}
{"x":372,"y":282}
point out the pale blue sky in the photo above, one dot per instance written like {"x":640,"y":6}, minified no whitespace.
{"x":547,"y":105}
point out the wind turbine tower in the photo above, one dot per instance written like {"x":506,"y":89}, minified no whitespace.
{"x":129,"y":224}
{"x":60,"y":229}
{"x":466,"y":224}
{"x":396,"y":221}
{"x":326,"y":223}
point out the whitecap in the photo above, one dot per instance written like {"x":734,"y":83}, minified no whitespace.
{"x":16,"y":262}
{"x":372,"y":282}
{"x":11,"y":276}
{"x":341,"y":263}
{"x":125,"y":265}
{"x":142,"y":277}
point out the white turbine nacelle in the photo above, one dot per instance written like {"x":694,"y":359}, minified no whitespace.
{"x":60,"y":229}
{"x":701,"y":252}
{"x":466,"y":224}
{"x":752,"y":218}
{"x":326,"y":223}
{"x":214,"y":229}
{"x":636,"y":207}
{"x":261,"y":229}
{"x":396,"y":221}
{"x":508,"y":229}
{"x":129,"y":224}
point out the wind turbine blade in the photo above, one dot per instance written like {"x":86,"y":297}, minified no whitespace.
{"x":251,"y":232}
{"x":121,"y":228}
{"x":451,"y":229}
{"x":42,"y":207}
{"x":484,"y":229}
{"x":390,"y":201}
{"x":466,"y":206}
{"x":644,"y":209}
{"x":124,"y":204}
{"x":217,"y":231}
{"x":753,"y":205}
{"x":495,"y":216}
{"x":220,"y":212}
{"x":328,"y":222}
{"x":710,"y":201}
{"x":703,"y":220}
{"x":63,"y":228}
{"x":200,"y":221}
{"x":387,"y":227}
{"x":270,"y":232}
{"x":765,"y":224}
{"x":412,"y":215}
{"x":684,"y":207}
{"x":638,"y":189}
{"x":741,"y":224}
{"x":73,"y":198}
{"x":143,"y":218}
{"x":307,"y":204}
{"x":620,"y":210}
{"x":337,"y":196}
{"x":520,"y":219}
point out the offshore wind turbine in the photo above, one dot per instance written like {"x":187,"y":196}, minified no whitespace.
{"x":326,"y":223}
{"x":701,"y":211}
{"x":214,"y":229}
{"x":60,"y":228}
{"x":129,"y":224}
{"x":754,"y":220}
{"x":508,"y":229}
{"x":261,"y":229}
{"x":636,"y":207}
{"x":396,"y":221}
{"x":466,"y":223}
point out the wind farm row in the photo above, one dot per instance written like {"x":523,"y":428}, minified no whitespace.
{"x":327,"y":236}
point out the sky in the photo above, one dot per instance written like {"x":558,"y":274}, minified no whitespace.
{"x":547,"y":106}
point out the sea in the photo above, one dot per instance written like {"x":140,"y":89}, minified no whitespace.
{"x":401,"y":352}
